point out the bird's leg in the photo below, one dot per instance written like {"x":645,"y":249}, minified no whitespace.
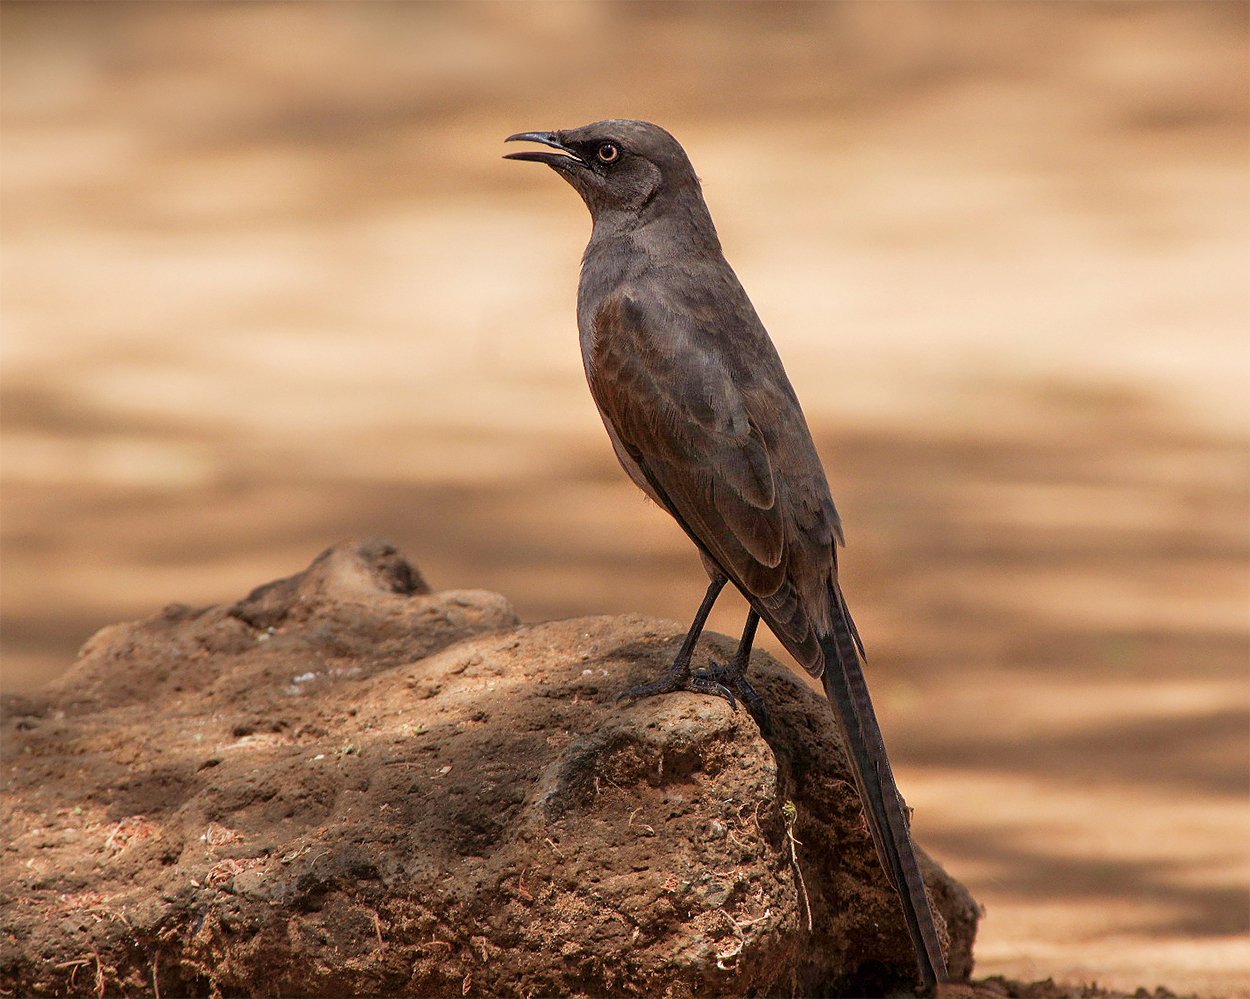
{"x":680,"y":676}
{"x":733,"y":673}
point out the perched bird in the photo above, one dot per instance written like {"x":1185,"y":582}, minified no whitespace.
{"x":704,"y":420}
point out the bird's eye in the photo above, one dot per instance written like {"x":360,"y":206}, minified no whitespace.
{"x":609,"y":152}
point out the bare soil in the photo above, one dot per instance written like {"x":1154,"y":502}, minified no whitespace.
{"x":346,"y":785}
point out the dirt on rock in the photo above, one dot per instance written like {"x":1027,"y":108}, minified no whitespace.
{"x":346,"y":784}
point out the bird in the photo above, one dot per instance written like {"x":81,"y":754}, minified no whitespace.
{"x":704,"y":420}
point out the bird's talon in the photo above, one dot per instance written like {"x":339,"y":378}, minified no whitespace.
{"x":697,"y":682}
{"x":706,"y":681}
{"x":729,"y":676}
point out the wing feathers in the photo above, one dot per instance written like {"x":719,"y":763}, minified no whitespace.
{"x":759,"y":509}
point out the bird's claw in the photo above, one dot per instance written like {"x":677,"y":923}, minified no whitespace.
{"x":732,"y":677}
{"x":699,"y":682}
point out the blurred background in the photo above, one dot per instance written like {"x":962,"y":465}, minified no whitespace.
{"x":267,"y":284}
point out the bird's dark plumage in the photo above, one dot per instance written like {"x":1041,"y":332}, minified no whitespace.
{"x":703,"y":418}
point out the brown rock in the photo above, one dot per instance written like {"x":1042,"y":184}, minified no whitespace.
{"x":345,"y":784}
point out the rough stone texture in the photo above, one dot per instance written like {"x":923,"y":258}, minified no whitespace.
{"x":346,"y":784}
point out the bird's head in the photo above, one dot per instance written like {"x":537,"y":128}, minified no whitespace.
{"x":616,"y":166}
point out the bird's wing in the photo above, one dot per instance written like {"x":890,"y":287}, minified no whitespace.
{"x":709,"y":447}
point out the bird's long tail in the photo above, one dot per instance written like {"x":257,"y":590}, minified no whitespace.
{"x":847,"y":690}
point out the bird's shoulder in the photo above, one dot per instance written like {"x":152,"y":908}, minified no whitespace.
{"x":654,"y":357}
{"x":713,"y":362}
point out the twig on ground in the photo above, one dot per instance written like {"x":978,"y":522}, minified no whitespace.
{"x":791,"y":814}
{"x":738,"y":927}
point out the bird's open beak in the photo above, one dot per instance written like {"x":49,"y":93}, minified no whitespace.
{"x":562,"y":160}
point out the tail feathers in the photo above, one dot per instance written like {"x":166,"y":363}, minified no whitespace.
{"x":847,"y":691}
{"x":842,"y":615}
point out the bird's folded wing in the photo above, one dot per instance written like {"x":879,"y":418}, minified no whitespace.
{"x":697,"y":437}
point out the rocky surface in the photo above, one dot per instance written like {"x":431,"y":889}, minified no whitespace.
{"x":346,"y":784}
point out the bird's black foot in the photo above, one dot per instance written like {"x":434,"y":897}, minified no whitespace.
{"x":680,"y":677}
{"x":732,"y":676}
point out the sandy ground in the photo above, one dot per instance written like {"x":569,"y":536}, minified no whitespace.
{"x":267,"y":284}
